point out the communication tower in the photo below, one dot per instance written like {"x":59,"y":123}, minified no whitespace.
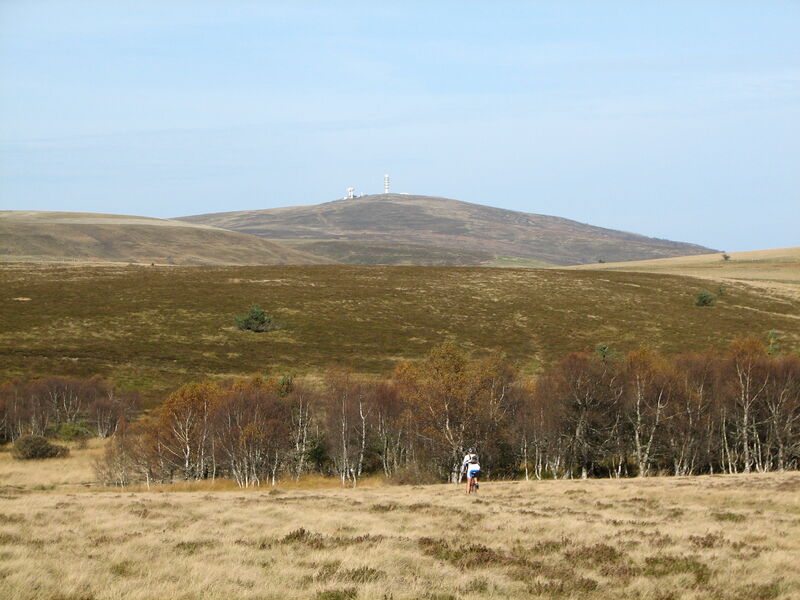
{"x":351,"y":192}
{"x":386,"y":184}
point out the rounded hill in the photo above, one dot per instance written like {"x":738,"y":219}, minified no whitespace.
{"x":427,"y":230}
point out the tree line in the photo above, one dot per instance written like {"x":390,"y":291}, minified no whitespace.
{"x":589,"y":415}
{"x":65,"y":407}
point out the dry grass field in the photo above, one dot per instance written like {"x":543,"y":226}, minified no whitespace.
{"x":776,"y":270}
{"x":721,"y":537}
{"x":153,"y":328}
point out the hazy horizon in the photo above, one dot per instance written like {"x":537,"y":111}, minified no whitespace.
{"x":677,"y":121}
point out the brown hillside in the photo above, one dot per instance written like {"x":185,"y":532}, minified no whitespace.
{"x":427,"y":230}
{"x":59,"y":236}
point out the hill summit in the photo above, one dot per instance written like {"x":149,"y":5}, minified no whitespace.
{"x":397,"y":229}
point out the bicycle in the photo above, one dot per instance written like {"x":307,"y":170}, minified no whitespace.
{"x":473,"y":482}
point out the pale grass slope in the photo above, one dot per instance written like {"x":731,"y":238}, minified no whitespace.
{"x":776,"y":269}
{"x":724,"y":538}
{"x":27,"y":236}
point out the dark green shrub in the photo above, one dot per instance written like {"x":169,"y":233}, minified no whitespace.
{"x":773,"y":342}
{"x":35,"y":446}
{"x":286,"y":385}
{"x":704,"y":298}
{"x":255,"y":319}
{"x":73,"y":431}
{"x":605,"y":352}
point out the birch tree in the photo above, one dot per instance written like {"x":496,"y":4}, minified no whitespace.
{"x":185,"y":415}
{"x":649,"y":384}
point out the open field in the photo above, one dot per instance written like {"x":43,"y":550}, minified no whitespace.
{"x":721,"y":537}
{"x":153,"y":328}
{"x":776,"y":270}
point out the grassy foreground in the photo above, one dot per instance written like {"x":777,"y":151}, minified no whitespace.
{"x":156,"y":327}
{"x":722,"y":537}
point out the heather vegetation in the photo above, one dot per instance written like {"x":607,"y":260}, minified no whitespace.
{"x":242,"y":486}
{"x":405,"y":229}
{"x":155,"y":328}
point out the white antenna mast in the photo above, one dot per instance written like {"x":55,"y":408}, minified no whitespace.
{"x":386,"y":184}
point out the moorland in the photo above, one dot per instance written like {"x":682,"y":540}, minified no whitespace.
{"x":156,"y":327}
{"x":65,"y":536}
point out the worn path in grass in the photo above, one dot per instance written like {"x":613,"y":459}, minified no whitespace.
{"x":156,"y":327}
{"x":722,"y":537}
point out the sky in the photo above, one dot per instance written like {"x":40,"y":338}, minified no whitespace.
{"x":678,"y":120}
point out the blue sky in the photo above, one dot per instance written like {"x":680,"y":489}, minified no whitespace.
{"x":678,"y":120}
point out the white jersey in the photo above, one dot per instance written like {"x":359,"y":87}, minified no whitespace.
{"x":470,"y":464}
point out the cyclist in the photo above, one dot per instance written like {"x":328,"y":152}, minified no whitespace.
{"x":471,"y":466}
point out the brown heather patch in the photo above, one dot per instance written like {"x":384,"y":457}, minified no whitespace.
{"x":667,"y":564}
{"x":549,"y":546}
{"x":598,"y":554}
{"x":338,"y":594}
{"x":710,"y":540}
{"x":728,"y":516}
{"x":466,"y":556}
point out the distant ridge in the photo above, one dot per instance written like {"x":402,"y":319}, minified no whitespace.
{"x":89,"y":237}
{"x":426,"y":230}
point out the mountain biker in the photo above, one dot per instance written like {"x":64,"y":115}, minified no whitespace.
{"x":471,"y":466}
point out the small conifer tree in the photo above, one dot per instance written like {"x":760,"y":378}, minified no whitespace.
{"x":704,"y":298}
{"x":255,"y":319}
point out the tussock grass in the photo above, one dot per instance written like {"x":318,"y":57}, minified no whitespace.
{"x":517,"y":540}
